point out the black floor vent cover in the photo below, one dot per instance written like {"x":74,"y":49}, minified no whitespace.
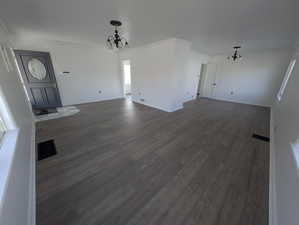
{"x":39,"y":112}
{"x":46,"y":149}
{"x":262,"y":138}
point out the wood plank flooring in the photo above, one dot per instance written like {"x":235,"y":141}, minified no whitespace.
{"x":121,"y":163}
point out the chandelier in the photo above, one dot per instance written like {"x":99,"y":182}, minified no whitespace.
{"x":115,"y":40}
{"x":236,"y":56}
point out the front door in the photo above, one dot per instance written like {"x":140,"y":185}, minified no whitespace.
{"x":39,"y":78}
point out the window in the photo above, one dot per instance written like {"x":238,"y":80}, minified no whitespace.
{"x":286,"y":79}
{"x":2,"y":128}
{"x":6,"y":119}
{"x":295,"y":148}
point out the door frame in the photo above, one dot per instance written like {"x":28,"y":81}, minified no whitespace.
{"x":202,"y":77}
{"x":18,"y":53}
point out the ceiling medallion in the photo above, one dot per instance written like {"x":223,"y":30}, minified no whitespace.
{"x":115,"y":40}
{"x":236,"y":56}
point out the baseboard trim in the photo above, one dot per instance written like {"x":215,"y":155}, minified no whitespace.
{"x":177,"y":108}
{"x":32,"y":183}
{"x":190,"y":99}
{"x":272,"y":176}
{"x":93,"y":101}
{"x":233,"y":101}
{"x":157,"y":107}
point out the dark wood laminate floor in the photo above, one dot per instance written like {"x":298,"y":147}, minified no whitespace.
{"x":121,"y":163}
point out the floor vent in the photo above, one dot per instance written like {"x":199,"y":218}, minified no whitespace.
{"x":46,"y":149}
{"x":262,"y":138}
{"x":39,"y":112}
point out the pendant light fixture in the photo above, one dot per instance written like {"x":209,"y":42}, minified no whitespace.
{"x":236,"y":56}
{"x":116,"y":41}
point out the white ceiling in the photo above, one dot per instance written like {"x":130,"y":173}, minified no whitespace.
{"x":213,"y":26}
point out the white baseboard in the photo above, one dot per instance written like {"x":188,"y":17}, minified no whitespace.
{"x":272,"y":176}
{"x":235,"y":101}
{"x":92,"y":101}
{"x":176,"y":108}
{"x":32,"y":179}
{"x":190,"y":99}
{"x":158,"y":107}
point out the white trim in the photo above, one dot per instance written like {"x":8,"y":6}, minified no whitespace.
{"x":157,"y":107}
{"x":286,"y":79}
{"x":32,"y":183}
{"x":176,"y":108}
{"x":234,"y":101}
{"x":295,"y":154}
{"x":272,"y":176}
{"x":189,"y":99}
{"x":7,"y":153}
{"x":93,"y":101}
{"x":5,"y":113}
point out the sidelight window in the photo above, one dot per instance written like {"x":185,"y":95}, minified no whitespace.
{"x":286,"y":79}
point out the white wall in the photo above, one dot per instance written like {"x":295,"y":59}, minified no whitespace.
{"x":92,"y":69}
{"x":180,"y":70}
{"x":286,"y":131}
{"x":17,"y":164}
{"x":152,"y":74}
{"x":164,"y":73}
{"x":254,"y":80}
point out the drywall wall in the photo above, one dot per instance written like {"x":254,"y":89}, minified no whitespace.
{"x":17,"y":164}
{"x":154,"y":81}
{"x":182,"y":56}
{"x":285,"y":132}
{"x":94,"y":70}
{"x":253,"y":80}
{"x":164,"y":73}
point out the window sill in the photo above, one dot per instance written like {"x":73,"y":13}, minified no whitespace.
{"x":7,"y":152}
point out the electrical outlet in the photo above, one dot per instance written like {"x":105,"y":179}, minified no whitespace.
{"x":142,"y":100}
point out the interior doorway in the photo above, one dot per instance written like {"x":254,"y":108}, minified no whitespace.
{"x":127,"y":78}
{"x":202,"y":75}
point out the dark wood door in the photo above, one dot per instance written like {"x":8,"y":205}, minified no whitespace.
{"x":39,"y":78}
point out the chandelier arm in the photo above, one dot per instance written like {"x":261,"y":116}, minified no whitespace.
{"x":110,"y":37}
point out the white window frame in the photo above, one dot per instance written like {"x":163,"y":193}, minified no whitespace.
{"x":8,"y":140}
{"x":286,"y":79}
{"x":2,"y":129}
{"x":295,"y":150}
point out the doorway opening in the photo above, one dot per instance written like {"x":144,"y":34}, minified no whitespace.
{"x":202,"y":75}
{"x":127,"y":79}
